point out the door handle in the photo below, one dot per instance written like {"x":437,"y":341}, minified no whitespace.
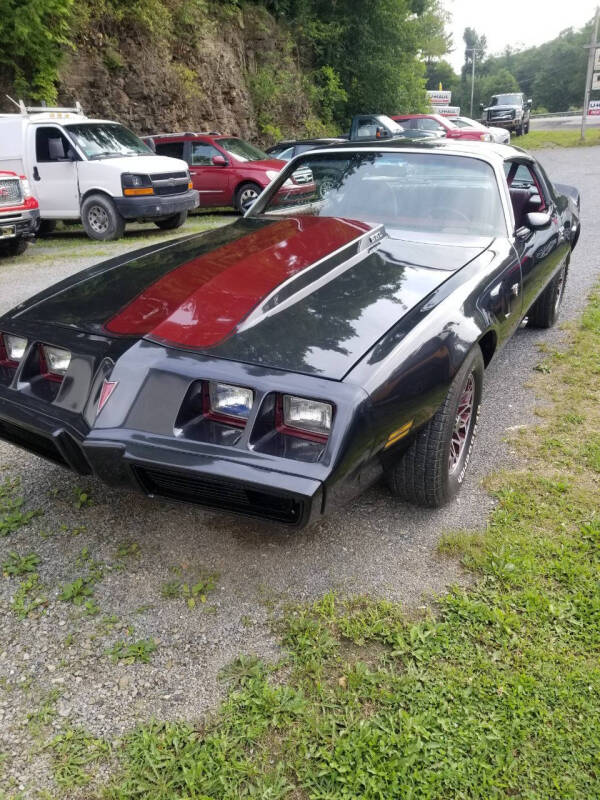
{"x":36,"y":174}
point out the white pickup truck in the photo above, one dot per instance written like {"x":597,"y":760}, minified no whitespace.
{"x":94,"y":170}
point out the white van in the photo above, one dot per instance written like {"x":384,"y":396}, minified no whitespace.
{"x":94,"y":170}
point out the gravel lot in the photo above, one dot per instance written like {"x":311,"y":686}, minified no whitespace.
{"x":376,"y":545}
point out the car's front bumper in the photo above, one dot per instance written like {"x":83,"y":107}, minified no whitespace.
{"x":156,"y":206}
{"x":220,"y":483}
{"x":165,"y":469}
{"x":508,"y":124}
{"x":20,"y":223}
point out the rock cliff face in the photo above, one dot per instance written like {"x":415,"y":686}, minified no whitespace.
{"x":153,"y":84}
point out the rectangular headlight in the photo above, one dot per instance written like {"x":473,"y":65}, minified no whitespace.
{"x":15,"y":347}
{"x":311,"y":416}
{"x":231,"y":401}
{"x":57,"y":359}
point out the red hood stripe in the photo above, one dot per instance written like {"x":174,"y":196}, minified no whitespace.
{"x":203,"y":300}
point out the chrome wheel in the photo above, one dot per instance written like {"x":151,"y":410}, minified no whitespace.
{"x":326,"y":185}
{"x":247,"y":197}
{"x":98,"y":219}
{"x":462,"y":424}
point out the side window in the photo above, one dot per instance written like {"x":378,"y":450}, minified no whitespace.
{"x":366,"y":128}
{"x":430,"y":125}
{"x":286,"y":155}
{"x":525,"y":189}
{"x":173,"y":149}
{"x":52,"y":145}
{"x":202,"y":154}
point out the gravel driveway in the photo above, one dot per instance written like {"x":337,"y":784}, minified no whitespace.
{"x":131,"y":547}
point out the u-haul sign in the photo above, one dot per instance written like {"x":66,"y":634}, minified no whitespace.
{"x":439,"y":98}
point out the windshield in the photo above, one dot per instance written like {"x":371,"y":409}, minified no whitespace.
{"x":506,"y":100}
{"x":107,"y":140}
{"x":465,"y":122}
{"x":242,"y":151}
{"x":408,"y":191}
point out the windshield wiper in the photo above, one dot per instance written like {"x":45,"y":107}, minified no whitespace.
{"x":109,"y":154}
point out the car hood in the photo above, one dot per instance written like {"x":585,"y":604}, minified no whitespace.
{"x":500,"y":108}
{"x":143,"y":165}
{"x":270,"y":163}
{"x":303,"y":294}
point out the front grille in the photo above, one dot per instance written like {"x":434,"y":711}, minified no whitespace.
{"x":303,"y":175}
{"x":168,"y":176}
{"x":169,"y":183}
{"x":10,"y":192}
{"x":222,"y":495}
{"x":40,"y":445}
{"x":166,"y":189}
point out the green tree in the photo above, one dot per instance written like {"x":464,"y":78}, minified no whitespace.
{"x":33,"y":37}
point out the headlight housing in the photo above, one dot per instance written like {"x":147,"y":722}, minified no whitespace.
{"x":15,"y":347}
{"x":231,"y":404}
{"x":303,"y":416}
{"x":56,"y":360}
{"x":272,"y":174}
{"x":486,"y":137}
{"x":134,"y":185}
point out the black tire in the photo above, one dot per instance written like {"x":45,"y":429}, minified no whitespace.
{"x":245,"y":195}
{"x":172,"y":222}
{"x":100,"y":218}
{"x":526,"y":128}
{"x":432,"y":470}
{"x":519,"y":130}
{"x":546,"y":309}
{"x":46,"y":227}
{"x":13,"y":247}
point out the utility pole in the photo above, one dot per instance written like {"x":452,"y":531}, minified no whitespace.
{"x":590,"y":71}
{"x":472,"y":50}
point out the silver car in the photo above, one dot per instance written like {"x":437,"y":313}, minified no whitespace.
{"x":499,"y":135}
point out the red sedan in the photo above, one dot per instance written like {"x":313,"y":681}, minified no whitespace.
{"x":440,"y":124}
{"x":226,"y":170}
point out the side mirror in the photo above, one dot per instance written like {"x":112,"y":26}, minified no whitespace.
{"x":538,"y":219}
{"x":529,"y":103}
{"x":481,"y":106}
{"x":535,"y":200}
{"x":219,"y":161}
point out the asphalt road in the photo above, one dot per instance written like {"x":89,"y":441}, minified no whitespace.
{"x":375,"y":545}
{"x":563,"y":123}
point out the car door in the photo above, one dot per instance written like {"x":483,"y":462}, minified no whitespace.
{"x":542,"y":250}
{"x":53,"y":176}
{"x":213,"y":182}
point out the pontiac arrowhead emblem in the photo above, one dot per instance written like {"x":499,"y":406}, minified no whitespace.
{"x":108,"y":388}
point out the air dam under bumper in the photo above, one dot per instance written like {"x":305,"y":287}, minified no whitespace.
{"x":156,"y":205}
{"x":219,"y":483}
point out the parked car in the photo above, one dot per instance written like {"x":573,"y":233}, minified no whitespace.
{"x":436,"y":123}
{"x":289,"y":148}
{"x":94,"y":170}
{"x":277,"y":366}
{"x":375,"y":127}
{"x":226,"y":170}
{"x":511,"y":111}
{"x":19,"y":213}
{"x":499,"y":135}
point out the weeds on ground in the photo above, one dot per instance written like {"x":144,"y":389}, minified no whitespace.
{"x":193,"y":587}
{"x":131,"y":652}
{"x":12,"y":516}
{"x":74,"y":755}
{"x":20,"y":565}
{"x":29,"y":596}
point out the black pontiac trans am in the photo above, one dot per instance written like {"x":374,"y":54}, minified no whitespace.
{"x":277,"y":366}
